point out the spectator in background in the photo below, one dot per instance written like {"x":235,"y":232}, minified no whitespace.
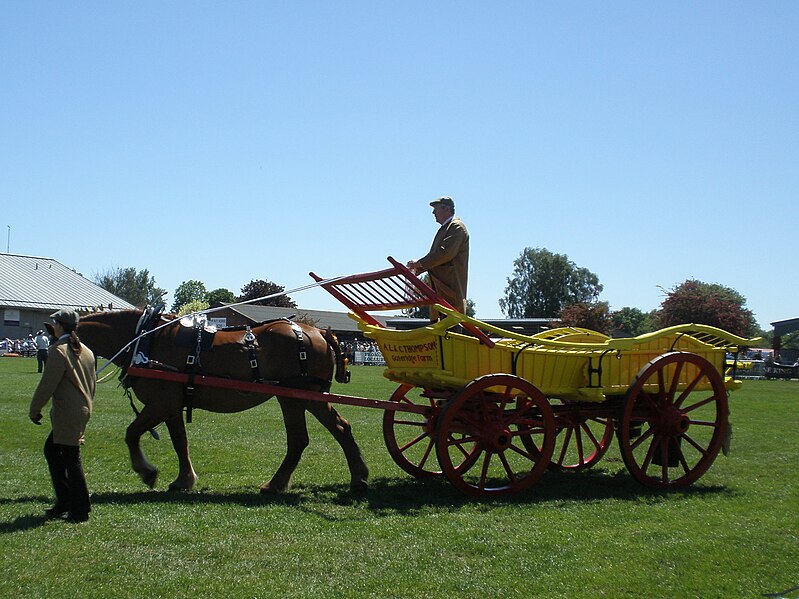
{"x":42,"y":341}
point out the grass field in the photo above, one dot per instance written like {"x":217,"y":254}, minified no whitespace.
{"x":598,"y":533}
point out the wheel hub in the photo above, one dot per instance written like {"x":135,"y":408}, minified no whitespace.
{"x":673,"y":422}
{"x":496,"y":439}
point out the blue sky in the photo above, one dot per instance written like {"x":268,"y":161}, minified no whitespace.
{"x":651,"y":142}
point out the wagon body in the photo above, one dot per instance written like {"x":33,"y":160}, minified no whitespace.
{"x":566,"y":363}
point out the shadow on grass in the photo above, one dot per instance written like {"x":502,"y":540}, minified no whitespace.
{"x":410,"y":495}
{"x":403,"y":495}
{"x":28,"y":521}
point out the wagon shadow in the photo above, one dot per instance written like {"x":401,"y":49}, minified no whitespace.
{"x":409,"y":495}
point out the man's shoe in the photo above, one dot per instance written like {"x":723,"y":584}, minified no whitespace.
{"x":55,"y":513}
{"x":75,"y":518}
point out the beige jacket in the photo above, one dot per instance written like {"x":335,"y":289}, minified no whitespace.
{"x":70,"y":381}
{"x":447,"y":263}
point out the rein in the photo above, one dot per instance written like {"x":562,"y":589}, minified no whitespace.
{"x":105,"y":378}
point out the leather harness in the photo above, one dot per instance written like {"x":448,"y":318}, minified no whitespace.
{"x":201,"y":339}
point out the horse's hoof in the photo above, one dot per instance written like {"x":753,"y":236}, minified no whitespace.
{"x":150,"y":477}
{"x":180,"y":484}
{"x":270,"y":489}
{"x":178,"y":488}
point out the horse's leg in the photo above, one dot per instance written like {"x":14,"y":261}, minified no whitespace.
{"x":148,"y":418}
{"x":180,"y":441}
{"x":342,"y":432}
{"x":296,"y":442}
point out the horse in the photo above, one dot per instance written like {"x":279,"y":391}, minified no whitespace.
{"x":271,"y":351}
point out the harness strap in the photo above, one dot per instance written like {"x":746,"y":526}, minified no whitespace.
{"x":191,"y":361}
{"x":302,"y":351}
{"x":252,"y":347}
{"x":141,"y":349}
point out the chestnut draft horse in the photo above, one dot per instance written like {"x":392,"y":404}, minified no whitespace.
{"x":276,"y":346}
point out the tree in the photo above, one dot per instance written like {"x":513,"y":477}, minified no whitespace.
{"x":707,"y":303}
{"x":632,"y":321}
{"x":544,"y":283}
{"x":789,"y":341}
{"x":595,"y":316}
{"x":135,"y":287}
{"x":192,"y":306}
{"x":189,"y":291}
{"x":265,"y":289}
{"x":220,"y":296}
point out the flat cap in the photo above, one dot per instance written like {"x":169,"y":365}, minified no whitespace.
{"x":67,"y":317}
{"x":446,"y":200}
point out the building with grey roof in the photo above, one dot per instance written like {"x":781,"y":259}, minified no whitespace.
{"x":32,"y":288}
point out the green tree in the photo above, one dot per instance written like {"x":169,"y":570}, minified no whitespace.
{"x":707,"y":303}
{"x":632,"y":321}
{"x":192,"y":306}
{"x":544,"y":283}
{"x":789,"y":341}
{"x":135,"y":287}
{"x":189,"y":291}
{"x":595,"y":316}
{"x":265,"y":289}
{"x":220,"y":296}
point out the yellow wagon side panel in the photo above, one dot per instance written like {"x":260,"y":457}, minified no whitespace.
{"x":568,"y":364}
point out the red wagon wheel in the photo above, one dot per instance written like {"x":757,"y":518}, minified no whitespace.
{"x":410,"y":437}
{"x":504,"y":427}
{"x":583,"y":438}
{"x":676,"y":410}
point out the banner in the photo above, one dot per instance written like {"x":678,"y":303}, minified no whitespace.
{"x":371,"y":358}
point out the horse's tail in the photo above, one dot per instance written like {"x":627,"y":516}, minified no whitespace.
{"x":342,"y":374}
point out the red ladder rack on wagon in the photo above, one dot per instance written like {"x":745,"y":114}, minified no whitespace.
{"x":492,"y":410}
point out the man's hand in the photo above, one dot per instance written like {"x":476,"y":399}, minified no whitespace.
{"x":37,"y":419}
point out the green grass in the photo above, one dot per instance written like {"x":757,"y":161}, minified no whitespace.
{"x":598,"y":533}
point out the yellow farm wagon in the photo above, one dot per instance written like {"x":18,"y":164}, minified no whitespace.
{"x":492,"y":409}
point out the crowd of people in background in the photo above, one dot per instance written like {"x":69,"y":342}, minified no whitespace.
{"x":28,"y":347}
{"x":368,"y":352}
{"x":24,"y":347}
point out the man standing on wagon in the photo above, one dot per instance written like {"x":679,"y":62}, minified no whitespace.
{"x":447,"y":262}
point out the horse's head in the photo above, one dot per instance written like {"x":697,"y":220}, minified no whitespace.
{"x":105,"y":333}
